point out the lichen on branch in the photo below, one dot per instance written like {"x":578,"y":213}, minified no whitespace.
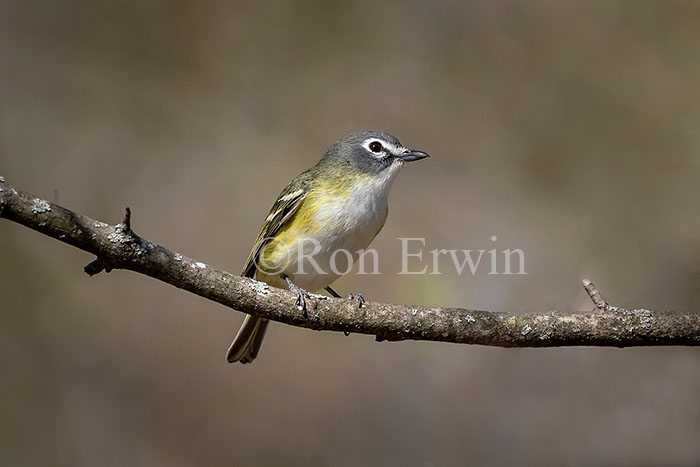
{"x":118,"y":247}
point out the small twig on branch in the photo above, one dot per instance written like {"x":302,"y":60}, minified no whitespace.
{"x":96,"y":267}
{"x":101,"y":263}
{"x":126,"y":222}
{"x":118,"y":247}
{"x":595,"y":296}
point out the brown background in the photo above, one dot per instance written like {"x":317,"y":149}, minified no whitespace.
{"x":567,"y":129}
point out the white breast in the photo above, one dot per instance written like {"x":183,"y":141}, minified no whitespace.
{"x":350,"y":223}
{"x":356,"y":218}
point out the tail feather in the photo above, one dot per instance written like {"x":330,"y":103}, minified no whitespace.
{"x":254,"y":347}
{"x":246,"y":344}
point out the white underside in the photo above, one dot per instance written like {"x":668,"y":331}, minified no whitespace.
{"x":350,"y":223}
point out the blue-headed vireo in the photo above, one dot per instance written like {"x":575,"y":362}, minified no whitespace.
{"x":339,"y":203}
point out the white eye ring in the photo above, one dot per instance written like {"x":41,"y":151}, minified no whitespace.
{"x":376,"y":147}
{"x":385,"y":148}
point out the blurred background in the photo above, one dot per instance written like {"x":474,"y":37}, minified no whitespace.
{"x":566,"y":129}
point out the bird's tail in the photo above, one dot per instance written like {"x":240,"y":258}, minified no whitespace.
{"x":246,"y":344}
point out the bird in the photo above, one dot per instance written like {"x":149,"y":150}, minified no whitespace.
{"x":339,"y":203}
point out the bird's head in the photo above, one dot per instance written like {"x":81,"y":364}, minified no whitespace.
{"x":371,"y":152}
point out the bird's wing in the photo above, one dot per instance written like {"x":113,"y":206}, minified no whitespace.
{"x":286,"y":205}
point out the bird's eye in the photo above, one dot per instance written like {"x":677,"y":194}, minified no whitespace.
{"x":375,"y":146}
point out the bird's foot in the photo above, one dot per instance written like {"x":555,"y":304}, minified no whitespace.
{"x":358,"y":298}
{"x":301,"y":294}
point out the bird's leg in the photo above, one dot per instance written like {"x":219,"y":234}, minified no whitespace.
{"x":333,"y":292}
{"x":300,"y":293}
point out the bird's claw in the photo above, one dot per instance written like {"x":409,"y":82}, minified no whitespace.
{"x":358,"y":298}
{"x":301,"y":302}
{"x":301,"y":294}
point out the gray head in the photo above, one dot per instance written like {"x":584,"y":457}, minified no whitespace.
{"x":371,"y":151}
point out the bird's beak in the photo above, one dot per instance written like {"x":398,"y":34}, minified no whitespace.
{"x":410,"y":155}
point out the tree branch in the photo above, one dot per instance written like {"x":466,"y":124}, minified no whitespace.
{"x":118,"y":247}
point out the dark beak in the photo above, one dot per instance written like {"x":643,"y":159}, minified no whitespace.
{"x":410,"y":155}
